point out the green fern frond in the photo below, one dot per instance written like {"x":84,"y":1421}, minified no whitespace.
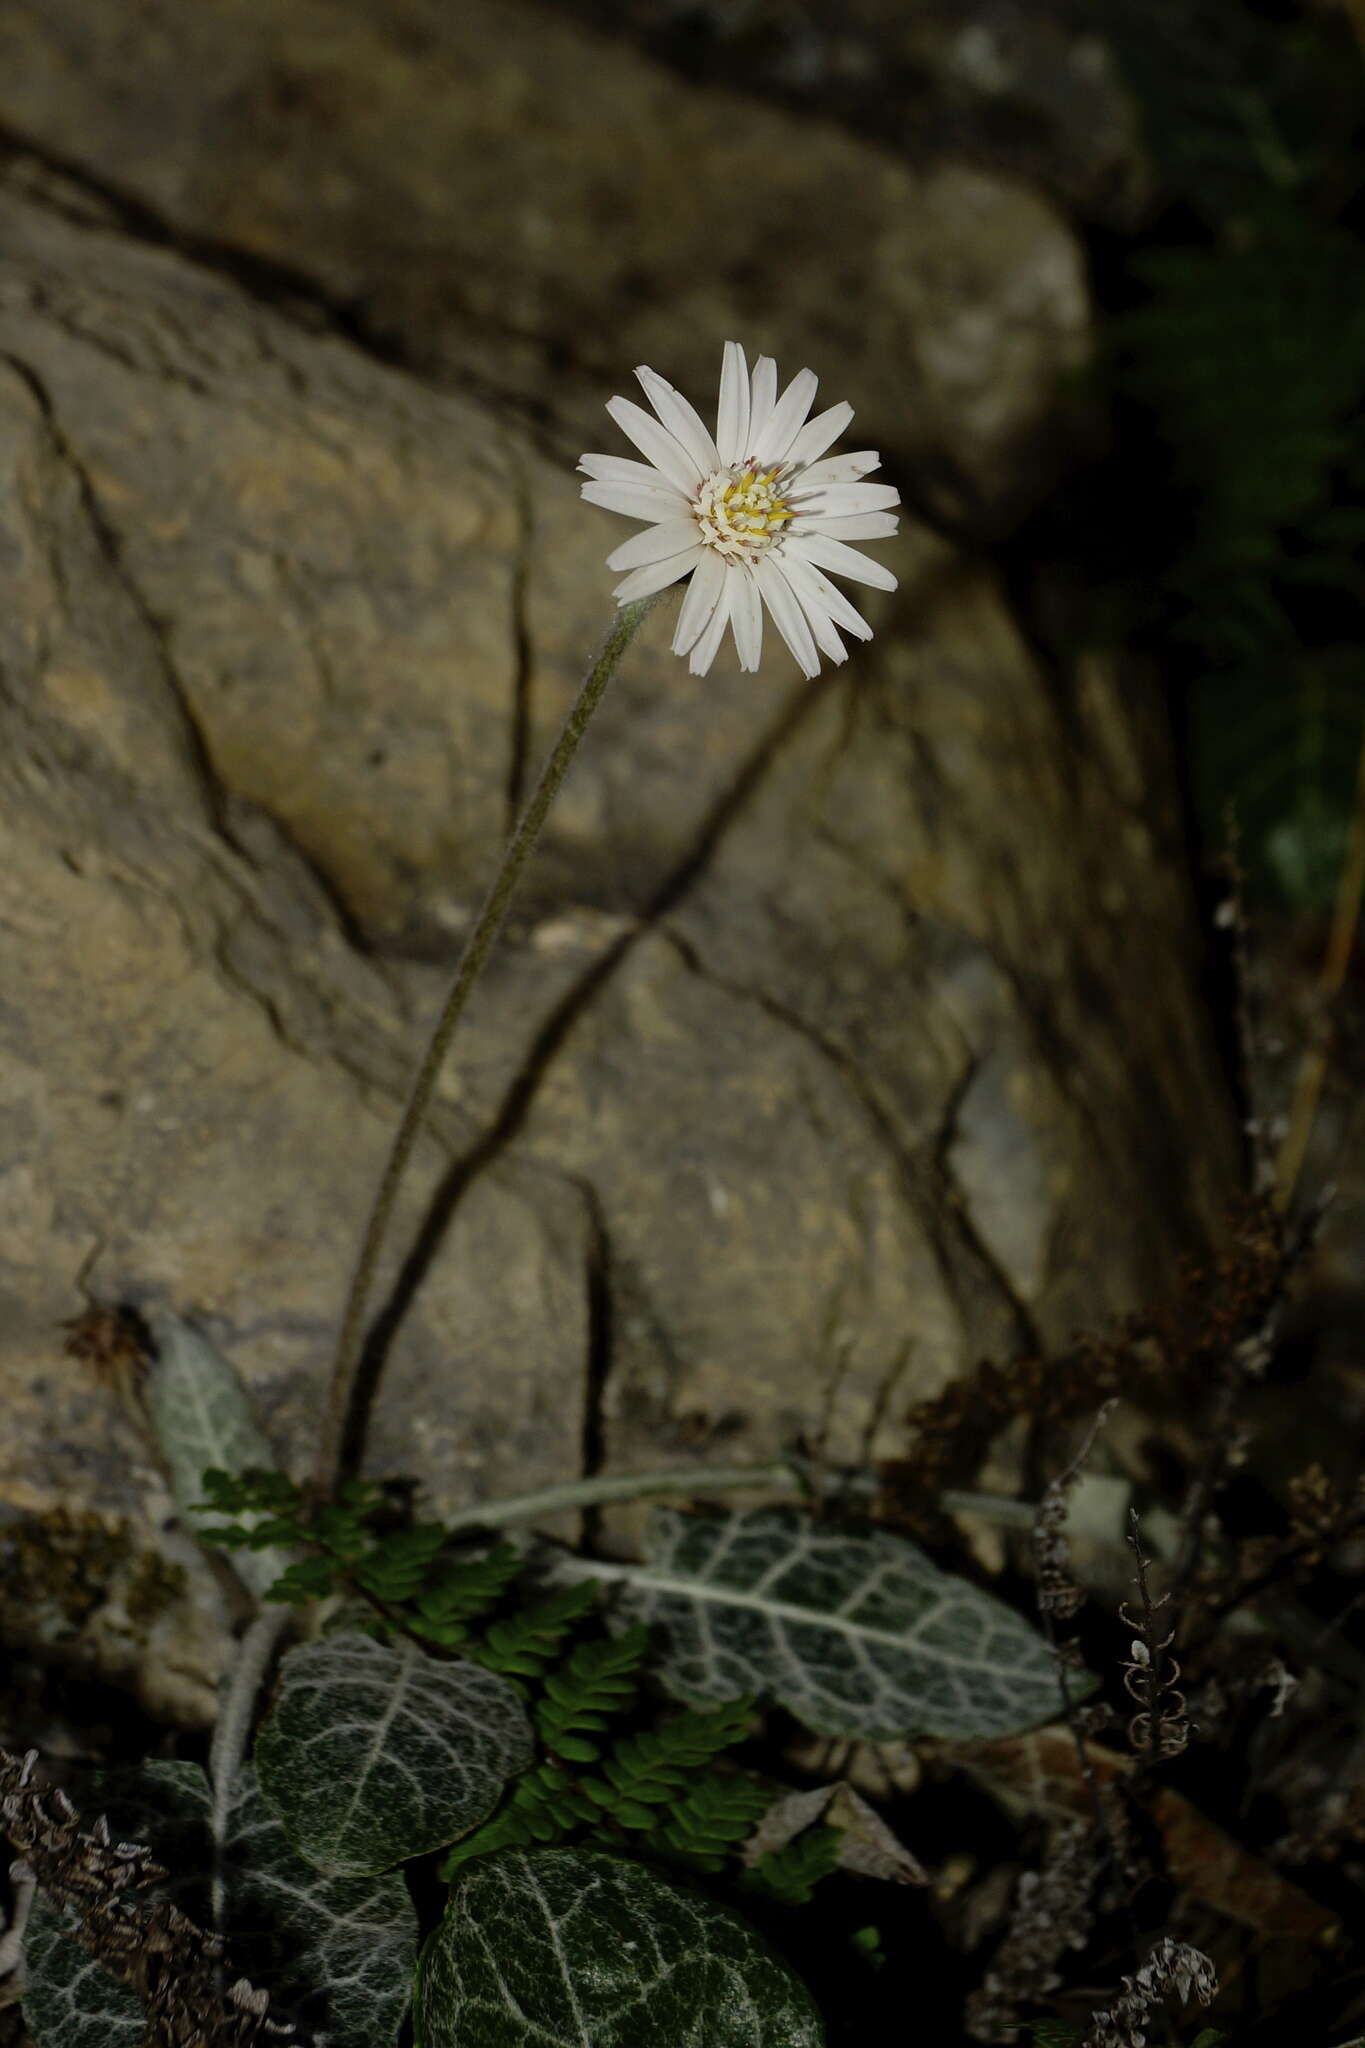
{"x":1245,"y":358}
{"x":651,"y":1784}
{"x":708,"y":1824}
{"x":582,"y":1694}
{"x":410,"y":1571}
{"x":1251,"y":360}
{"x":458,"y":1590}
{"x":397,"y":1565}
{"x":522,"y":1645}
{"x":253,"y":1492}
{"x":650,"y":1768}
{"x":236,"y":1494}
{"x":308,"y":1578}
{"x":1286,"y":745}
{"x":1234,"y":105}
{"x":544,"y":1805}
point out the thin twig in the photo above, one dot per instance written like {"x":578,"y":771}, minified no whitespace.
{"x":1243,"y":1367}
{"x":471,"y":963}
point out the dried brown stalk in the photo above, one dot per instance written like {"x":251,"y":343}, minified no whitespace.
{"x":178,"y":1972}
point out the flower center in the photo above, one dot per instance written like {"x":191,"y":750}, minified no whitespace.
{"x":741,"y":511}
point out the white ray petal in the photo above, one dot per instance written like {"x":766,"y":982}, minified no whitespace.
{"x":787,"y":615}
{"x":713,"y":632}
{"x":746,"y":616}
{"x":671,"y":537}
{"x":820,"y":433}
{"x":635,"y":502}
{"x":703,"y":593}
{"x":787,"y":419}
{"x":838,"y":469}
{"x":682,"y":420}
{"x":842,"y":560}
{"x":804,"y":578}
{"x":817,"y":614}
{"x":762,"y":399}
{"x":619,"y":469}
{"x":657,"y":443}
{"x":732,"y":418}
{"x":850,"y":526}
{"x":839,"y":498}
{"x":657,"y":575}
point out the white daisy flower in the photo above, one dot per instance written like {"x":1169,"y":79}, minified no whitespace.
{"x":755,"y":517}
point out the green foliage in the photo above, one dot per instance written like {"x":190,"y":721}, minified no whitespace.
{"x":656,"y":1786}
{"x":544,"y":1805}
{"x":774,"y":1600}
{"x":1246,"y":357}
{"x":1285,"y":746}
{"x":1252,"y":358}
{"x":341,"y":1947}
{"x":583,"y":1693}
{"x":650,"y":1769}
{"x":201,"y":1415}
{"x":599,"y":1775}
{"x":571,"y":1948}
{"x":1234,"y":105}
{"x":868,"y":1942}
{"x":792,"y":1872}
{"x":457,"y":1591}
{"x":376,"y":1752}
{"x":411,"y":1575}
{"x":706,"y":1827}
{"x":523,"y":1644}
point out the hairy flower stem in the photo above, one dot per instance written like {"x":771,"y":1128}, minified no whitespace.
{"x":605,"y":1487}
{"x":471,"y":964}
{"x":777,"y":1477}
{"x":232,"y":1727}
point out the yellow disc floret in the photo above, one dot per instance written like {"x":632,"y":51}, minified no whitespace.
{"x":742,"y":511}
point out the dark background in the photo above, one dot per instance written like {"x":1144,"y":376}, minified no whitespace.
{"x":1092,"y":277}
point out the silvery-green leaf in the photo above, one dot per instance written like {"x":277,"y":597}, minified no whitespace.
{"x":374,"y":1752}
{"x":336,"y":1952}
{"x":70,"y":2000}
{"x":353,"y":1940}
{"x":571,"y":1948}
{"x":856,"y":1635}
{"x":204,"y":1422}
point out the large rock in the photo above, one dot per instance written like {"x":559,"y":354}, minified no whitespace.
{"x":845,"y":1026}
{"x":1024,"y":87}
{"x":498,"y":193}
{"x":197,"y":1069}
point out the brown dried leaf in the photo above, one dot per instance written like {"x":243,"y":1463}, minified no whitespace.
{"x":867,"y":1845}
{"x":1212,"y":1867}
{"x":1035,"y":1776}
